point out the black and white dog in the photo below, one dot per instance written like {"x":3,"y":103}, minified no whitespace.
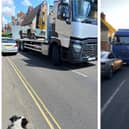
{"x":18,"y":122}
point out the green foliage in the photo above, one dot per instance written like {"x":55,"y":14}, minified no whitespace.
{"x":9,"y":35}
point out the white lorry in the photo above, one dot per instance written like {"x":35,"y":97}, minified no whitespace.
{"x":65,"y":31}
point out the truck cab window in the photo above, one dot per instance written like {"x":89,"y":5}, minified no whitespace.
{"x":84,"y":10}
{"x":63,"y":12}
{"x":124,"y":39}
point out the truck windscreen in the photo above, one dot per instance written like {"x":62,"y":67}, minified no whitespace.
{"x":83,"y":10}
{"x":122,"y":39}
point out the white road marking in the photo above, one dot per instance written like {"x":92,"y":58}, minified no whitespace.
{"x":79,"y":73}
{"x":113,"y":95}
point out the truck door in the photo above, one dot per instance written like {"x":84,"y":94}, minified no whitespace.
{"x":63,"y":25}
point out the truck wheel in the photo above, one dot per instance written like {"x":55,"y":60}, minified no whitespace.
{"x":56,"y":57}
{"x":22,"y":47}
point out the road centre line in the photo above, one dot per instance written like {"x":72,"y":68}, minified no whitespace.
{"x":112,"y":97}
{"x":35,"y":97}
{"x":79,"y":73}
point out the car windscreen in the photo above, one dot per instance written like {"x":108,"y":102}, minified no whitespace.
{"x":103,"y":55}
{"x":111,"y":56}
{"x":8,"y":41}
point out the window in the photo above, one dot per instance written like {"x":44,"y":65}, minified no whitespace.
{"x":102,"y":55}
{"x":121,"y":39}
{"x":111,"y":56}
{"x":124,"y":40}
{"x":63,"y":12}
{"x":8,"y":41}
{"x":84,"y":9}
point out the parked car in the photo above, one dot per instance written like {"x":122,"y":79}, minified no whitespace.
{"x":9,"y":45}
{"x":109,"y":63}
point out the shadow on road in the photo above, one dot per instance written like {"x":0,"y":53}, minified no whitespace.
{"x":121,"y":73}
{"x":39,"y":60}
{"x":116,"y":74}
{"x":8,"y":54}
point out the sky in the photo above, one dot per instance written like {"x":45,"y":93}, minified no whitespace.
{"x":117,"y":12}
{"x":12,"y":7}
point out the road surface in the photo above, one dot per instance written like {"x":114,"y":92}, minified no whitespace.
{"x":62,"y":97}
{"x":115,"y":101}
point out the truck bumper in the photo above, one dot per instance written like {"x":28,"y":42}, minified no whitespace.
{"x":79,"y":57}
{"x":81,"y":50}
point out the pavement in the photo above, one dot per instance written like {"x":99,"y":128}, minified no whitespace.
{"x":115,"y":101}
{"x":69,"y":92}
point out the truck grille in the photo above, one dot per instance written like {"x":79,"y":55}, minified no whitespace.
{"x":89,"y":50}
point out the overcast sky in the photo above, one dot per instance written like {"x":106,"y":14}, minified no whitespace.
{"x":12,"y":7}
{"x":117,"y":12}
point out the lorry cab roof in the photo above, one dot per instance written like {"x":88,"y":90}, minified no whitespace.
{"x":122,"y":32}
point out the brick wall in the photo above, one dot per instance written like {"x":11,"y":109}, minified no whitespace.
{"x":105,"y":46}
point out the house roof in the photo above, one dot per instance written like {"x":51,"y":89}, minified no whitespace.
{"x":107,"y":25}
{"x":29,"y":17}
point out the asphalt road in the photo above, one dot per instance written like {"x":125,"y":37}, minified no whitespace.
{"x":69,"y":92}
{"x":115,"y":101}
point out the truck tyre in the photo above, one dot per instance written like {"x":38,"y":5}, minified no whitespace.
{"x":56,"y":57}
{"x":22,"y":46}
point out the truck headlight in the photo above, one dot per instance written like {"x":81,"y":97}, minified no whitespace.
{"x":77,"y":47}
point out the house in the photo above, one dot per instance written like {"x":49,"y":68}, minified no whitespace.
{"x":107,"y":31}
{"x":36,"y":17}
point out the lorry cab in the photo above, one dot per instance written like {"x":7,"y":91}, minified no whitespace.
{"x":120,"y":45}
{"x":66,"y":30}
{"x":76,"y":28}
{"x":76,"y":17}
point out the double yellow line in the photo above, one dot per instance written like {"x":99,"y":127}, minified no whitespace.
{"x":49,"y":118}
